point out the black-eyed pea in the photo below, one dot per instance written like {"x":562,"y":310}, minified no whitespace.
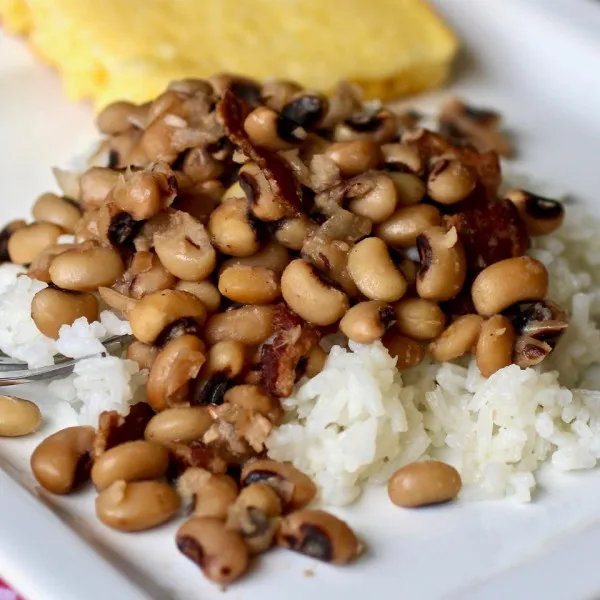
{"x":175,"y":366}
{"x":233,"y":229}
{"x":401,"y":157}
{"x":276,"y":93}
{"x":407,"y":352}
{"x":266,"y":128}
{"x":315,"y":361}
{"x":254,"y":399}
{"x":59,"y":210}
{"x":372,"y":195}
{"x":381,"y":126}
{"x":419,"y":319}
{"x":220,"y":553}
{"x":5,"y":235}
{"x":265,"y":205}
{"x":294,"y":231}
{"x":62,"y":461}
{"x":206,"y":291}
{"x":226,"y":358}
{"x":119,"y":116}
{"x":137,"y":505}
{"x":184,"y":248}
{"x":305,"y":109}
{"x":145,"y":275}
{"x":355,"y":156}
{"x":94,"y":186}
{"x":410,"y":188}
{"x":155,"y":313}
{"x":143,"y":354}
{"x":271,"y":256}
{"x":450,"y":181}
{"x":443,"y":264}
{"x":18,"y":416}
{"x":249,"y":285}
{"x":507,"y":282}
{"x":373,"y":271}
{"x":542,"y":215}
{"x":200,"y":165}
{"x":210,"y":494}
{"x":320,"y":535}
{"x":250,"y":325}
{"x":308,"y":295}
{"x":87,"y":268}
{"x":403,"y":227}
{"x":137,"y":460}
{"x":457,"y":339}
{"x":424,"y":483}
{"x":26,"y":243}
{"x":295,"y":489}
{"x":254,"y":515}
{"x":410,"y":269}
{"x":52,"y":308}
{"x":367,"y":321}
{"x":495,"y":345}
{"x":182,"y":424}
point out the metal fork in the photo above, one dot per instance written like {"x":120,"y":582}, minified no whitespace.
{"x":13,"y":372}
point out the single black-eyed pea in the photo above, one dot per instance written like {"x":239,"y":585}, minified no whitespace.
{"x":295,"y":489}
{"x":52,"y":308}
{"x":62,"y":462}
{"x":403,"y":227}
{"x":59,"y":210}
{"x":457,"y":339}
{"x":137,"y":460}
{"x":407,"y":352}
{"x":210,"y":494}
{"x":263,"y":126}
{"x":200,"y":165}
{"x":5,"y":234}
{"x":119,"y":116}
{"x":143,"y":354}
{"x":249,"y":285}
{"x":254,"y":515}
{"x":530,"y":351}
{"x":137,"y":505}
{"x":276,"y":93}
{"x":373,"y":271}
{"x":355,"y":156}
{"x":401,"y":157}
{"x":250,"y":325}
{"x":315,"y":361}
{"x":94,"y":186}
{"x":380,"y":126}
{"x":182,"y":424}
{"x":40,"y":268}
{"x":86,"y":268}
{"x":450,"y":181}
{"x":410,"y":188}
{"x":495,"y":345}
{"x":220,"y":553}
{"x":151,"y":315}
{"x":419,"y":319}
{"x":233,"y":229}
{"x":271,"y":256}
{"x":424,"y":483}
{"x":145,"y":275}
{"x":263,"y":203}
{"x":18,"y":416}
{"x":542,"y":215}
{"x":367,"y":321}
{"x":206,"y":291}
{"x":308,"y":295}
{"x":294,"y":231}
{"x":372,"y":195}
{"x":175,"y":366}
{"x":320,"y":535}
{"x":26,"y":243}
{"x":305,"y":109}
{"x":410,"y":269}
{"x":227,"y":358}
{"x":507,"y":282}
{"x":443,"y":264}
{"x":184,"y":248}
{"x":254,"y":399}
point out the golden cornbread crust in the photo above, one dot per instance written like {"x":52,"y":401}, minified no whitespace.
{"x":104,"y":52}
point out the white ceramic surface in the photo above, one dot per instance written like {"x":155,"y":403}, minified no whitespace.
{"x":536,"y":61}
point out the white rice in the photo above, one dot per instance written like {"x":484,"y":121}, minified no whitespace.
{"x":359,"y":419}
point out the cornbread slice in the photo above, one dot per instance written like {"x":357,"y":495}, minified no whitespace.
{"x":110,"y":49}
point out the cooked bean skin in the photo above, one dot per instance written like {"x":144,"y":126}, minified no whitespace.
{"x":507,"y":282}
{"x":136,"y":506}
{"x":319,"y":535}
{"x":495,"y":345}
{"x":183,"y":424}
{"x":249,"y":285}
{"x":18,"y":416}
{"x":366,"y":322}
{"x":419,"y":319}
{"x":542,"y":215}
{"x":250,"y":325}
{"x":132,"y":461}
{"x":457,"y":339}
{"x":61,"y":462}
{"x":52,"y":308}
{"x":423,"y":483}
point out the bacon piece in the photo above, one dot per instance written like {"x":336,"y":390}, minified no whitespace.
{"x":281,"y":354}
{"x":195,"y":454}
{"x":490,"y":234}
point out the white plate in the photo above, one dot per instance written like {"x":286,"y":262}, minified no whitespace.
{"x":537,"y":61}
